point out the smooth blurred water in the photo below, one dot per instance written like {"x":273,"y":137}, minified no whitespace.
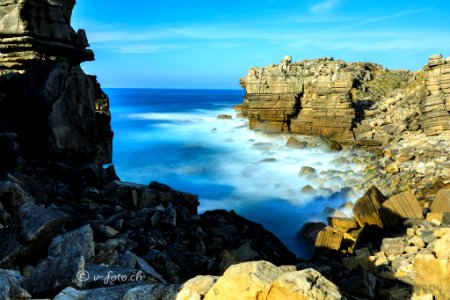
{"x":174,"y":137}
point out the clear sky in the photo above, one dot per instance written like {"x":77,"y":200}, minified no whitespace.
{"x":211,"y":44}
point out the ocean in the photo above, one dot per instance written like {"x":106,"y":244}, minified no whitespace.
{"x":174,"y":137}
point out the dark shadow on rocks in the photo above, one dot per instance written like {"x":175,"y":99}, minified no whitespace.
{"x":359,"y":106}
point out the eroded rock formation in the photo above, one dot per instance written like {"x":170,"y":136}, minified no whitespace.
{"x":435,"y":107}
{"x":353,"y":103}
{"x":33,"y":31}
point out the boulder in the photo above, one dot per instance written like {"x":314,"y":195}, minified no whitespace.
{"x":111,"y":293}
{"x":441,"y":202}
{"x":366,"y":209}
{"x":34,"y":228}
{"x":196,"y":288}
{"x":10,"y":288}
{"x":13,"y":196}
{"x":155,"y":291}
{"x":301,"y":285}
{"x":328,"y":239}
{"x":224,"y":117}
{"x":245,"y":281}
{"x":139,"y":196}
{"x":432,"y":277}
{"x":442,"y":247}
{"x":40,"y":223}
{"x":403,"y":205}
{"x":293,"y":142}
{"x":393,"y":246}
{"x":67,"y":255}
{"x":308,"y":172}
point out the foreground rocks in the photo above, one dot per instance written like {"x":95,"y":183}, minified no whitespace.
{"x":397,"y":247}
{"x":262,"y":280}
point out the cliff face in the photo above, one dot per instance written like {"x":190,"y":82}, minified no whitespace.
{"x":435,"y":106}
{"x":346,"y":101}
{"x":55,"y":111}
{"x":33,"y":31}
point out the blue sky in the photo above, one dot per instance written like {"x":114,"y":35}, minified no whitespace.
{"x":211,"y":44}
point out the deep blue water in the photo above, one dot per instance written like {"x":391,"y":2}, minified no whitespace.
{"x":174,"y":137}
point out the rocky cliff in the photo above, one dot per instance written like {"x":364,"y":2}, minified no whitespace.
{"x":67,"y":222}
{"x":70,"y":229}
{"x":36,"y":31}
{"x":352,"y":103}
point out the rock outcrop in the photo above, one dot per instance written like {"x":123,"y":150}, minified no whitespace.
{"x":435,"y":107}
{"x":36,"y":31}
{"x":352,"y":103}
{"x":58,"y":113}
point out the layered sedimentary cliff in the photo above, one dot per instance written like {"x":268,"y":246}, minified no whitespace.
{"x":348,"y":102}
{"x":35,"y":31}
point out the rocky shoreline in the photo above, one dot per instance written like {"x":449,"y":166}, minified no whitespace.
{"x":70,"y":229}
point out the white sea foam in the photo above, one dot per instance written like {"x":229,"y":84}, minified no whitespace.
{"x":257,"y":168}
{"x":257,"y":165}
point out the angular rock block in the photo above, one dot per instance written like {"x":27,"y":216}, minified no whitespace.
{"x":366,"y":210}
{"x":403,"y":205}
{"x":393,"y":246}
{"x":329,"y":239}
{"x":441,"y":202}
{"x":343,"y":224}
{"x":67,"y":255}
{"x":38,"y":222}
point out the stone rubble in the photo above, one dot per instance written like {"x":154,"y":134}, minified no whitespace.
{"x":70,"y":229}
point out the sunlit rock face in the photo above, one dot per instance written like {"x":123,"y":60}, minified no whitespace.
{"x":350,"y":102}
{"x":309,"y":97}
{"x":435,"y":108}
{"x":33,"y":31}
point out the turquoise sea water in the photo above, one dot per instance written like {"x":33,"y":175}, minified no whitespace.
{"x":174,"y":137}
